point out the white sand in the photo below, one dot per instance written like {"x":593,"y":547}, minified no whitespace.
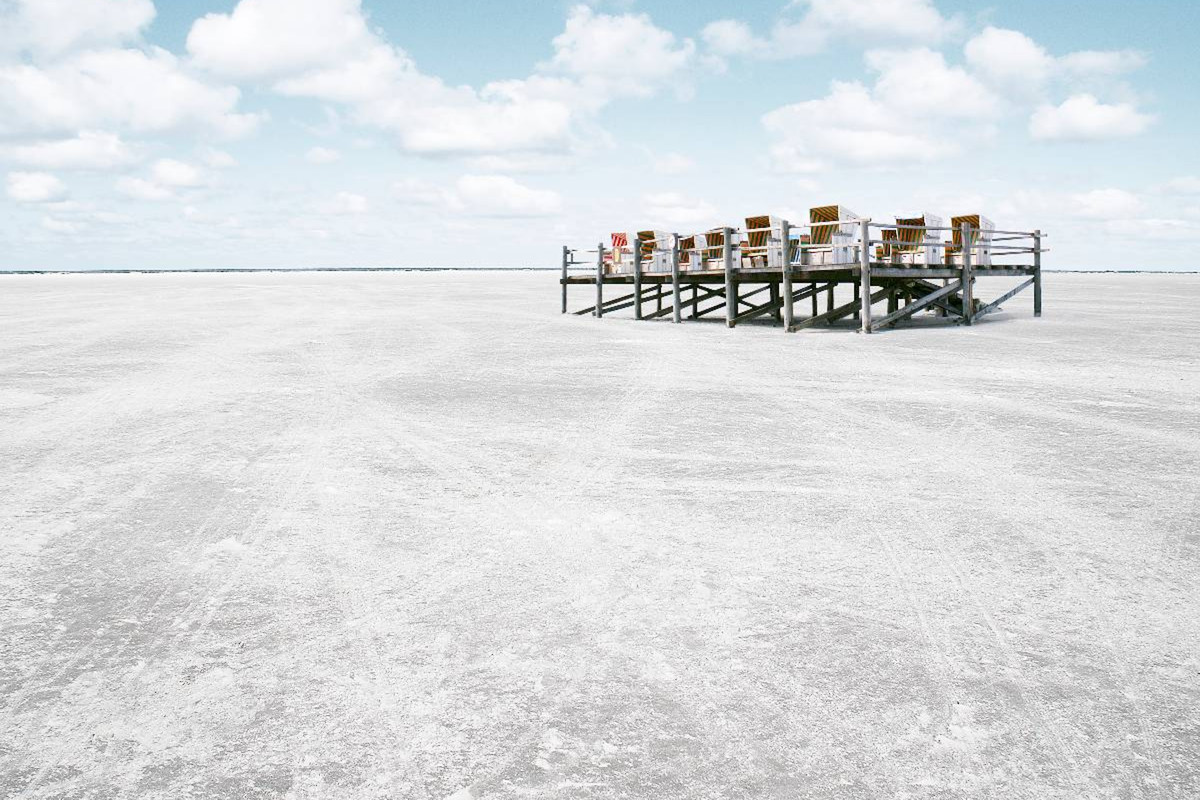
{"x":342,"y":536}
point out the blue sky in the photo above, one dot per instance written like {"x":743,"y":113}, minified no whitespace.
{"x":338,"y":133}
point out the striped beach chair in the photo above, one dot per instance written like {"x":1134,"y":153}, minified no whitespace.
{"x":656,"y":251}
{"x":883,"y":252}
{"x":619,"y":258}
{"x":981,"y":240}
{"x":762,"y":250}
{"x":714,"y":250}
{"x":917,"y":246}
{"x":831,"y":243}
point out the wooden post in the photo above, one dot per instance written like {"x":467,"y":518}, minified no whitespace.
{"x":789,"y":313}
{"x":858,"y":309}
{"x":864,"y":266}
{"x":637,"y":279}
{"x":968,"y":276}
{"x":565,"y":260}
{"x":599,"y":312}
{"x":730,"y":287}
{"x":675,"y":277}
{"x":829,"y":298}
{"x":1037,"y":273}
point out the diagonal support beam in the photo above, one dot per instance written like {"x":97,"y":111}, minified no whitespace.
{"x":839,"y":312}
{"x":995,"y":304}
{"x":624,"y":302}
{"x":915,"y":306}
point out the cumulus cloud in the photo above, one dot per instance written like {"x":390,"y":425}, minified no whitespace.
{"x":895,"y":121}
{"x":1106,"y":204}
{"x":824,"y":21}
{"x":48,"y":28}
{"x":89,"y":150}
{"x":1014,"y":59}
{"x":141,"y":91}
{"x":35,"y":187}
{"x":1084,"y":118}
{"x":167,"y":175}
{"x":324,"y":49}
{"x":502,"y":196}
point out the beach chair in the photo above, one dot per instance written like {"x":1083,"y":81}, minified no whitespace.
{"x":831,"y":243}
{"x":713,"y":250}
{"x":618,"y":259}
{"x":885,"y":252}
{"x":916,"y":246}
{"x":656,"y":251}
{"x":689,"y":259}
{"x":980,"y":244}
{"x":763,"y":248}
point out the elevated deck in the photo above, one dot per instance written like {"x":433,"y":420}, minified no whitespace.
{"x":947,"y":291}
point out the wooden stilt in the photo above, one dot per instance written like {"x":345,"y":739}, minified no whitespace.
{"x":637,"y":278}
{"x":815,"y":301}
{"x":788,"y":310}
{"x":1037,"y":273}
{"x":730,"y":285}
{"x":968,"y":276}
{"x":675,"y":298}
{"x":566,"y":259}
{"x":600,"y":280}
{"x":858,"y":307}
{"x":864,"y":266}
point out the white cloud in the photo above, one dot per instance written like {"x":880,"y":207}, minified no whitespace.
{"x":142,"y":189}
{"x":1019,"y":63}
{"x":1106,"y":204}
{"x":142,"y":91}
{"x":825,"y":21}
{"x":48,"y":28}
{"x":344,"y":203}
{"x":322,"y":155}
{"x":502,"y":196}
{"x":1009,"y":57}
{"x":623,"y":54}
{"x":731,"y":37}
{"x":178,"y":174}
{"x":325,"y":50}
{"x":276,"y":38}
{"x":902,"y":119}
{"x":678,"y":212}
{"x":1184,"y":184}
{"x":1102,"y":62}
{"x":89,"y":150}
{"x":35,"y":187}
{"x":1082,"y":117}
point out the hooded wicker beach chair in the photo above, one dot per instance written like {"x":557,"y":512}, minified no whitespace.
{"x":981,"y":240}
{"x":831,"y":243}
{"x":656,"y":251}
{"x":762,"y":248}
{"x":619,"y":258}
{"x":885,"y":252}
{"x":917,"y":246}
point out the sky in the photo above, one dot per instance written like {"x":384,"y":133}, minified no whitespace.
{"x":327,"y":133}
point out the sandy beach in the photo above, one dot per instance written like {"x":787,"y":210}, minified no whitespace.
{"x":417,"y":535}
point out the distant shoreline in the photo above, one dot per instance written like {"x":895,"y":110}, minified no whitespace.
{"x":242,"y":270}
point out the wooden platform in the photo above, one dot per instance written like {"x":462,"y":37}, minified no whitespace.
{"x":776,"y":293}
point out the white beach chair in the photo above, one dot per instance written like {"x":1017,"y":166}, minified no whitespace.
{"x":917,"y":246}
{"x":656,"y":251}
{"x":763,"y":246}
{"x":832,"y":243}
{"x":981,"y":240}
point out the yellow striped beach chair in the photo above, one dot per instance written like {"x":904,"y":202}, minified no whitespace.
{"x":917,"y":246}
{"x":831,"y":243}
{"x":981,"y":239}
